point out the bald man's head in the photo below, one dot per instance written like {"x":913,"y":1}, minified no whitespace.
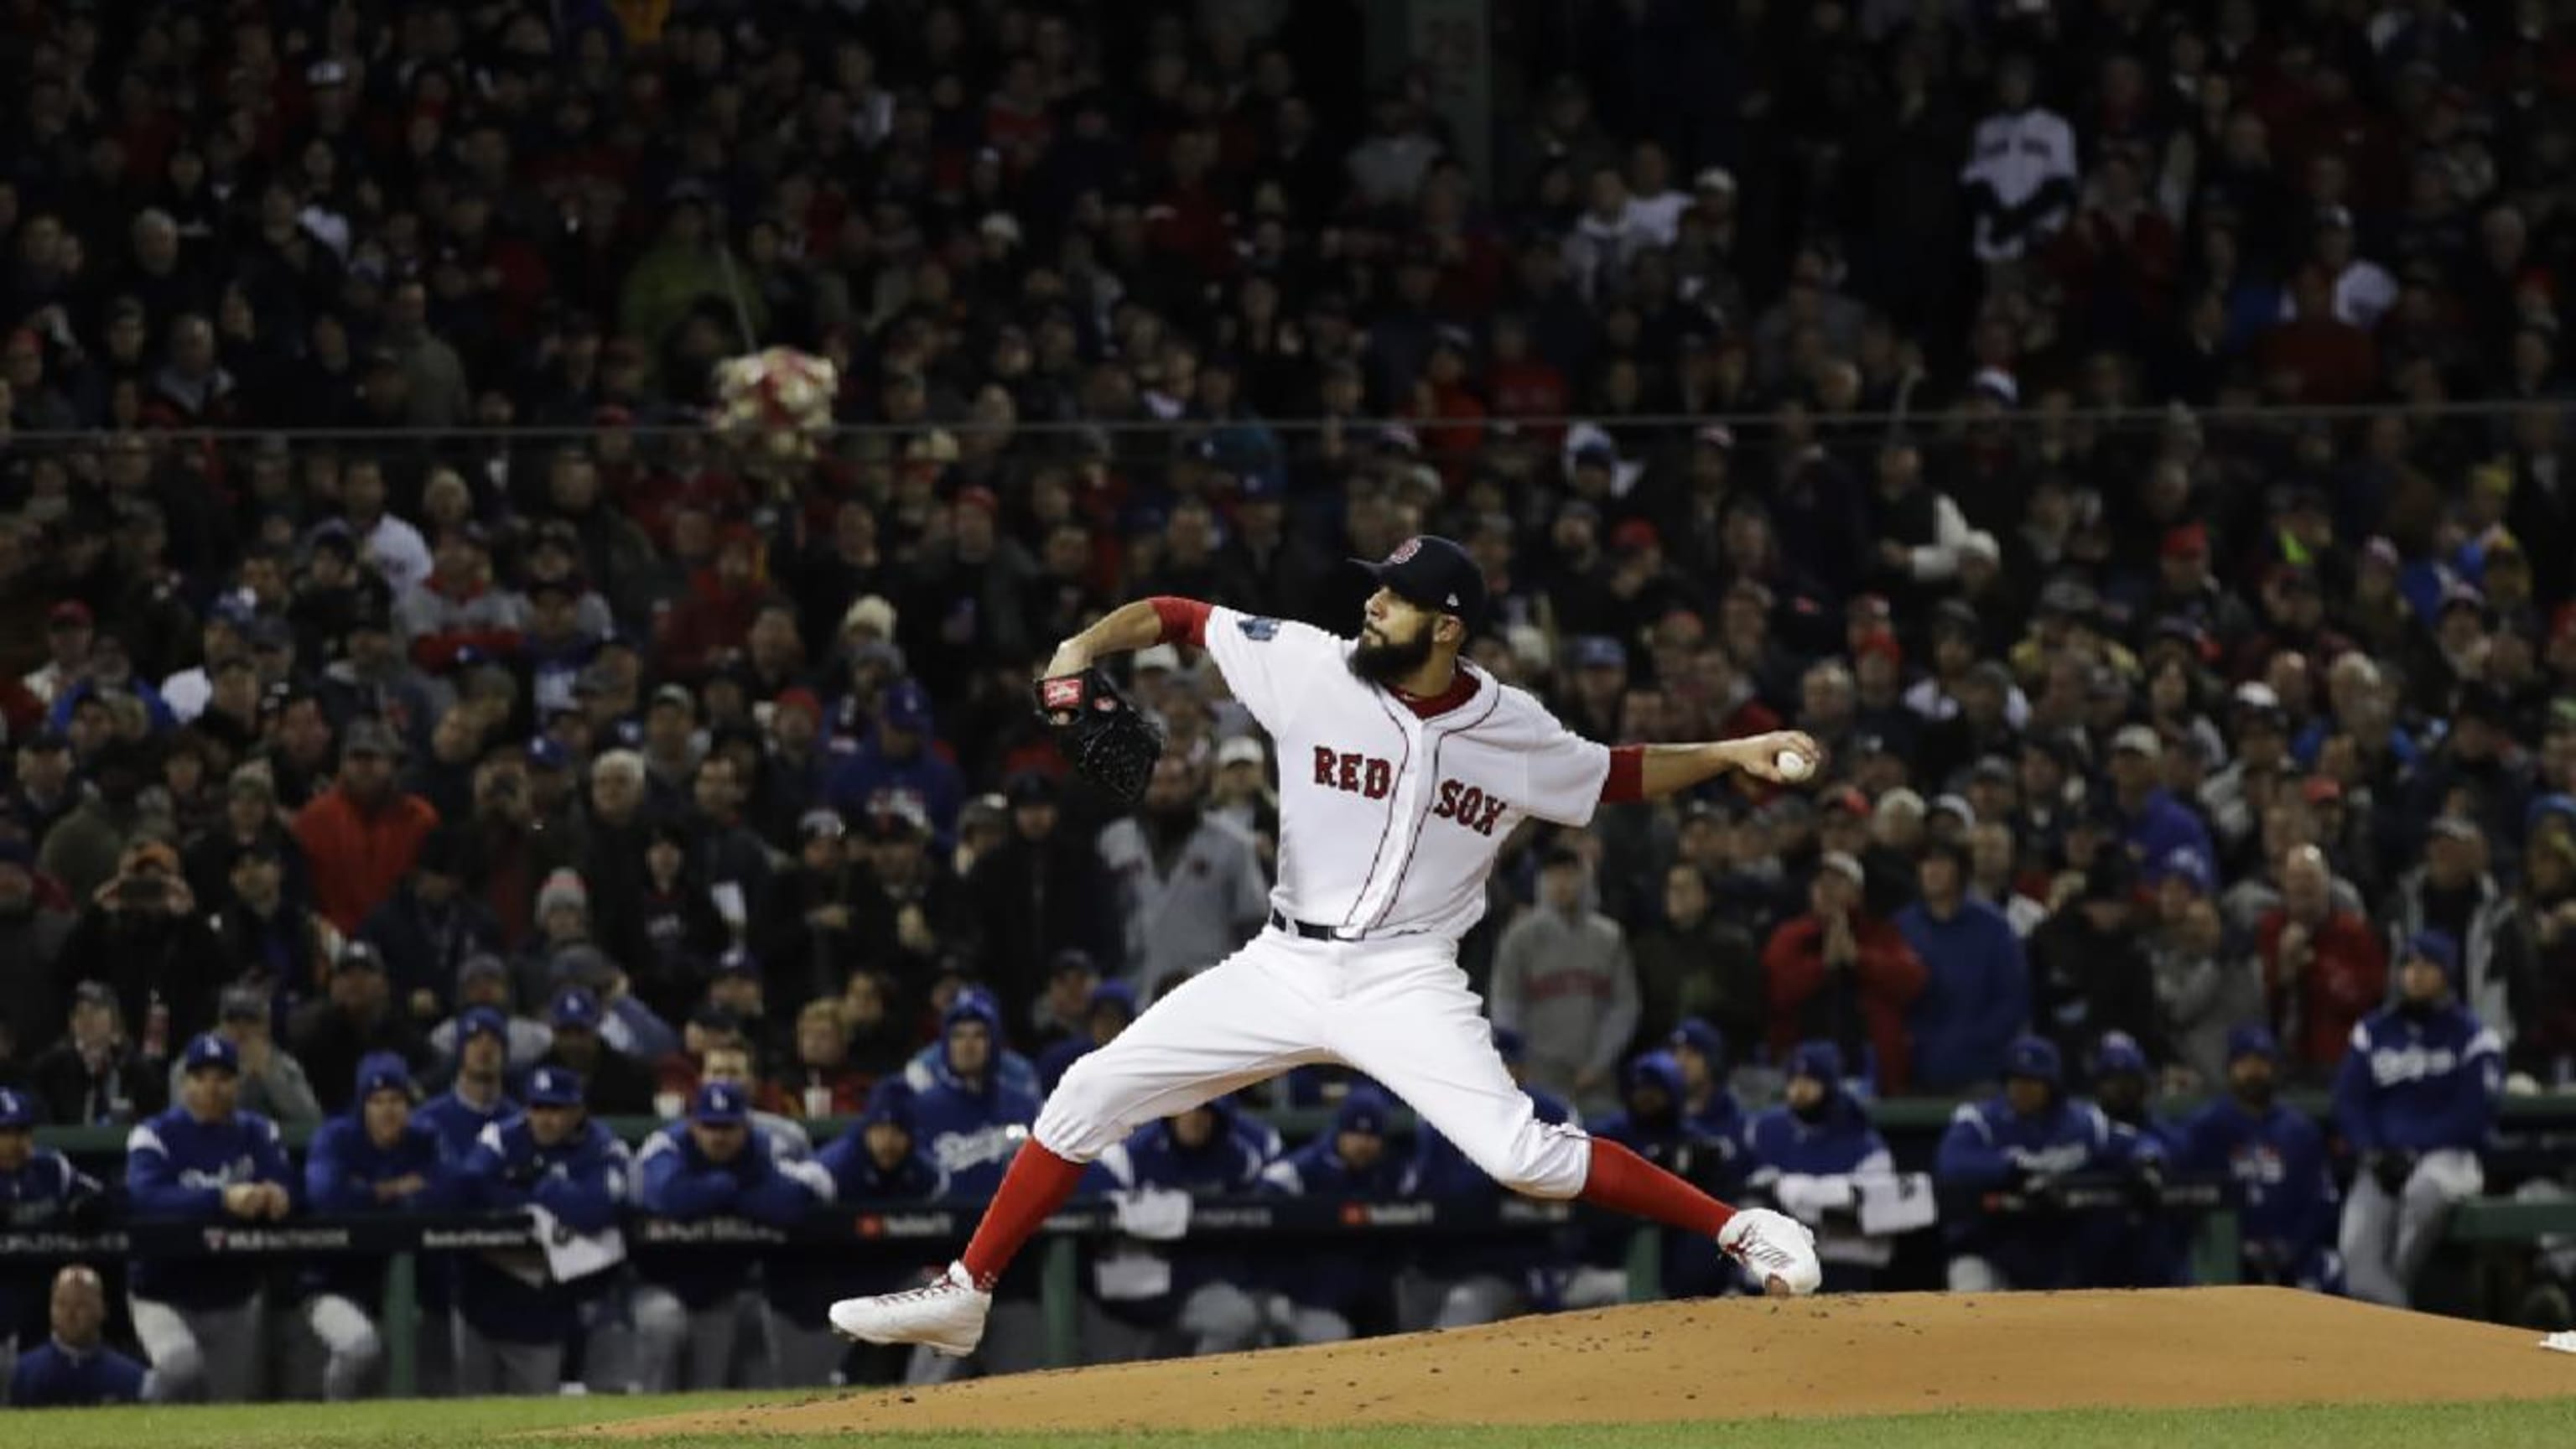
{"x":79,"y":1306}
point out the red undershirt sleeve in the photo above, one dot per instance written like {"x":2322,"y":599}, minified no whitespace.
{"x":1627,"y":778}
{"x":1184,"y":620}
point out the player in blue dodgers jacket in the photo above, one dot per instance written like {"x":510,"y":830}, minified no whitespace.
{"x":1806,"y":1153}
{"x":39,"y":1188}
{"x":1151,"y":1300}
{"x":1711,"y":1110}
{"x":2025,"y":1141}
{"x":1111,"y":1007}
{"x":2276,"y":1156}
{"x":877,"y":1162}
{"x":691,"y":1304}
{"x":476,"y":1097}
{"x":1656,"y":1125}
{"x":1320,"y":1300}
{"x":2416,"y":1098}
{"x":374,"y":1158}
{"x":1012,"y":1070}
{"x":74,"y":1368}
{"x":972,"y":1119}
{"x":1460,"y":1283}
{"x":513,"y":1317}
{"x":199,"y":1320}
{"x":2158,"y":1253}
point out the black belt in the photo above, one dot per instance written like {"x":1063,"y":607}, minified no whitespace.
{"x":1308,"y":929}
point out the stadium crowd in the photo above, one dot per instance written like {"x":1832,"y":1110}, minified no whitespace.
{"x":2130,"y":436}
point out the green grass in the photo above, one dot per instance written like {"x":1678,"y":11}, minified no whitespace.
{"x":421,"y":1425}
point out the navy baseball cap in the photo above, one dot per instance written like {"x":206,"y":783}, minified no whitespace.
{"x":1599,"y":651}
{"x":383,"y":1072}
{"x":2034,"y":1057}
{"x":2116,"y":1053}
{"x":718,"y":1104}
{"x":576,"y":1006}
{"x":1702,"y":1038}
{"x":2252,"y":1039}
{"x":545,"y":752}
{"x":737,"y":961}
{"x":554,"y":1087}
{"x":1116,"y":994}
{"x":17,"y":1111}
{"x":1364,"y":1110}
{"x":210,"y":1050}
{"x":907,"y":707}
{"x":2438,"y":947}
{"x":1821,"y":1060}
{"x":1435,"y":573}
{"x":1510,"y":1045}
{"x":477,"y":1021}
{"x":889,"y":1101}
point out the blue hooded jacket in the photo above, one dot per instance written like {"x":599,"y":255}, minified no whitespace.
{"x":971,"y":1129}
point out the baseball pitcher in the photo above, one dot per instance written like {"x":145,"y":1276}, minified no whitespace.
{"x":1403,"y":769}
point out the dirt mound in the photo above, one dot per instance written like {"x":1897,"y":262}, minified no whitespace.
{"x":1749,"y":1358}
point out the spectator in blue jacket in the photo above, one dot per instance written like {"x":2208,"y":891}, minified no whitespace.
{"x":712,"y":1164}
{"x":972,"y":1117}
{"x":206,"y":1161}
{"x":2416,"y":1099}
{"x":2151,"y":822}
{"x":1653,"y":1126}
{"x":901,"y":757}
{"x":1710,"y":1109}
{"x":1015,"y":1072}
{"x":477,"y":1096}
{"x":2027,"y":1141}
{"x":972,"y":1113}
{"x":374,"y":1158}
{"x":1188,"y":1298}
{"x":513,"y":1314}
{"x":1467,"y":1281}
{"x":1111,"y":1008}
{"x":39,"y":1188}
{"x":1321,"y":1298}
{"x":2276,"y":1156}
{"x":1806,"y":1153}
{"x":877,"y":1161}
{"x":1976,"y":997}
{"x":74,"y":1368}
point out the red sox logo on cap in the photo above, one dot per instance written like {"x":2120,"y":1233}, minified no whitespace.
{"x":1404,"y":552}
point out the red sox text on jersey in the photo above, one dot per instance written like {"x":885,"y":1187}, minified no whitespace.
{"x":1372,"y":777}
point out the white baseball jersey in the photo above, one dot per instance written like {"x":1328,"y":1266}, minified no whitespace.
{"x":1388,"y":822}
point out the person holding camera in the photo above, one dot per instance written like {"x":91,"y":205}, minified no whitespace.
{"x":142,"y":938}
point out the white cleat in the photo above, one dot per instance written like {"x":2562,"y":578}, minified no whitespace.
{"x":1778,"y":1248}
{"x":945,"y":1316}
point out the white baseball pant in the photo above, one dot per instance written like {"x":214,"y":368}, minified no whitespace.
{"x":1398,"y":1010}
{"x":2385,"y":1240}
{"x":350,"y":1345}
{"x":209,"y":1354}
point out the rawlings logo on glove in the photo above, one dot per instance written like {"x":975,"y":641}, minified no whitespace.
{"x":1109,"y":743}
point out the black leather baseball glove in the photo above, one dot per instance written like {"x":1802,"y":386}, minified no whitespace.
{"x":1109,"y":743}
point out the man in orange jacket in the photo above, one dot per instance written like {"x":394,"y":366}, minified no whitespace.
{"x":361,"y":835}
{"x":1844,"y":976}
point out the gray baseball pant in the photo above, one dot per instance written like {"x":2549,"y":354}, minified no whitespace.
{"x":1484,"y":1298}
{"x":217,"y":1355}
{"x":2385,"y":1240}
{"x":802,"y":1357}
{"x":487,"y":1366}
{"x":350,"y":1345}
{"x":1300,"y":1324}
{"x":679,"y":1348}
{"x":1014,"y":1342}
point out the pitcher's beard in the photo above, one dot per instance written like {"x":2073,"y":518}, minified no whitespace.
{"x":1384,"y":664}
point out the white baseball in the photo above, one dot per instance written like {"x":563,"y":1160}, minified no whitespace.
{"x":1793,"y":766}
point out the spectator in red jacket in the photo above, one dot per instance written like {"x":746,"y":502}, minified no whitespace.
{"x":362,"y":834}
{"x":1842,"y":975}
{"x":2323,"y":968}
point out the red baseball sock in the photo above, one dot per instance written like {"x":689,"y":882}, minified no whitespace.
{"x":1622,"y":1180}
{"x":1037,"y":1184}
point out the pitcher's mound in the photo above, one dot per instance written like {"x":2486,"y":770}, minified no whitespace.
{"x":1752,"y":1357}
